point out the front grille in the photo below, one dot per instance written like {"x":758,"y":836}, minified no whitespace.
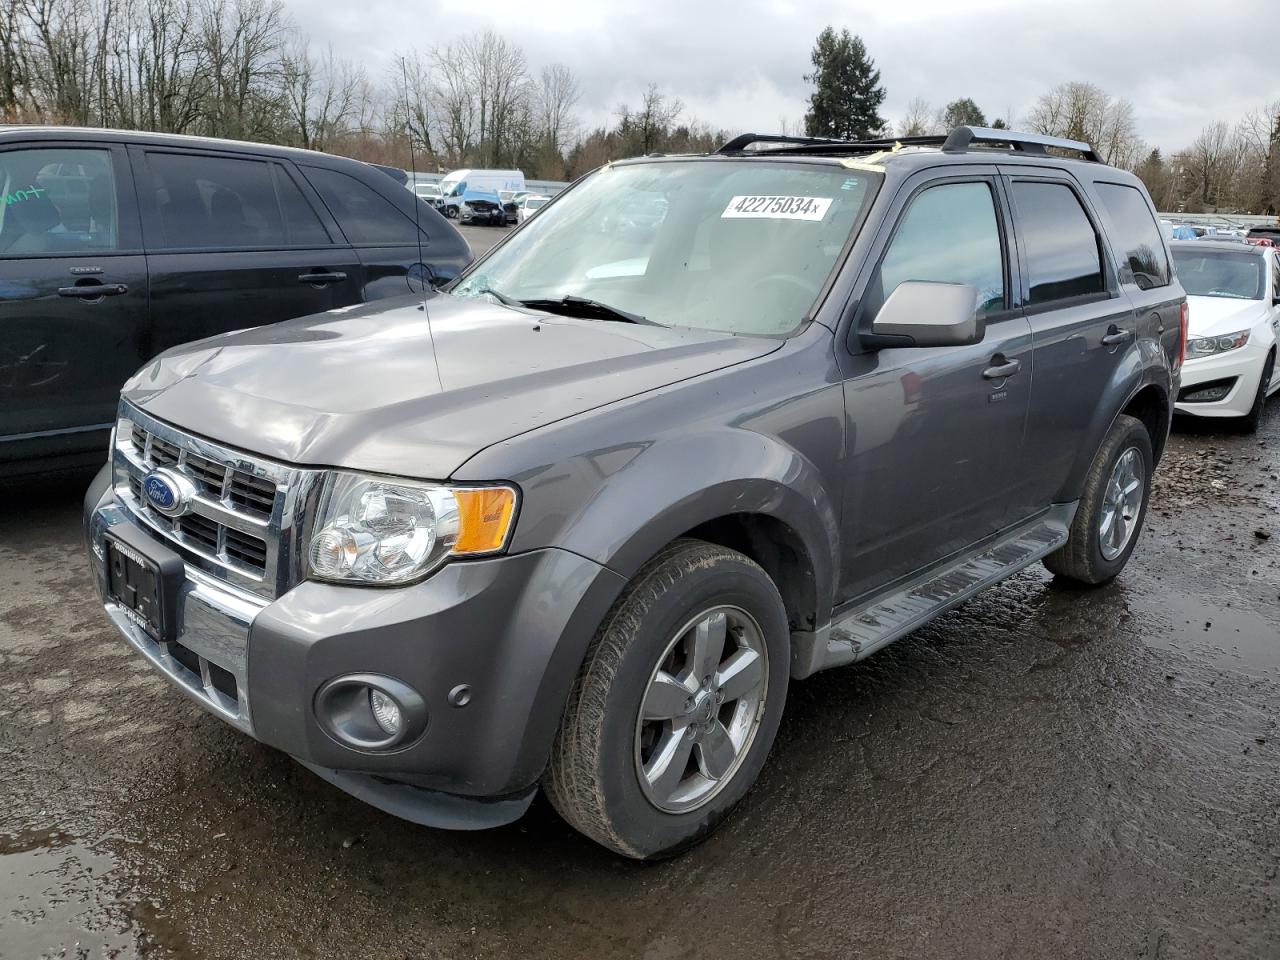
{"x":252,"y":494}
{"x":245,"y":520}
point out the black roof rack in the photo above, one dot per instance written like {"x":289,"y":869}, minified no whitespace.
{"x":739,"y":144}
{"x":958,"y":140}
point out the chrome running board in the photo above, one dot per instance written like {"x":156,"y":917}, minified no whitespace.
{"x":860,"y":632}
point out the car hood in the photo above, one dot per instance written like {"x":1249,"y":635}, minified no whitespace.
{"x":1214,"y":316}
{"x":375,"y":387}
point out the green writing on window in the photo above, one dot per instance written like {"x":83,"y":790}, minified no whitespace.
{"x":18,"y":196}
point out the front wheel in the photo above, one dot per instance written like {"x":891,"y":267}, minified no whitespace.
{"x":1111,"y":512}
{"x":676,"y":705}
{"x":1253,"y":419}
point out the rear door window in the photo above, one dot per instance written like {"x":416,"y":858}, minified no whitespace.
{"x":301,"y":224}
{"x":949,"y":234}
{"x":1136,"y":235}
{"x":213,"y":202}
{"x":57,"y":201}
{"x":366,"y":217}
{"x":1063,"y":253}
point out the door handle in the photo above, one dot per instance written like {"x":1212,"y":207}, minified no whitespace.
{"x":321,"y":277}
{"x":1115,"y":336}
{"x":1001,"y":368}
{"x":92,"y":291}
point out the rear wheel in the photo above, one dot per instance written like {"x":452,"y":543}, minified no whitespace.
{"x":1111,"y":512}
{"x":676,"y":705}
{"x":1253,"y":419}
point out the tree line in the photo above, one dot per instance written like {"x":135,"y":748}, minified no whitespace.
{"x":242,"y":69}
{"x":1229,"y":168}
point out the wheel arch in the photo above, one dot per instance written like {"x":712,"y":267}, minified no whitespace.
{"x":779,"y":550}
{"x":1151,"y":405}
{"x":1145,"y":395}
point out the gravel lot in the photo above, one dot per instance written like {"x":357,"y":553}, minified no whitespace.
{"x":1044,"y":772}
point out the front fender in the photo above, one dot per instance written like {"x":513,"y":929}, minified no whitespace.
{"x":620,"y":506}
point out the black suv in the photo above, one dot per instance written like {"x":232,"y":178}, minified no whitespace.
{"x":115,"y":246}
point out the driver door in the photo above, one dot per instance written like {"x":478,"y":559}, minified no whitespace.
{"x":934,"y":435}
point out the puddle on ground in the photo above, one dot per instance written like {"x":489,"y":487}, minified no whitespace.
{"x":1232,"y":638}
{"x":54,"y":903}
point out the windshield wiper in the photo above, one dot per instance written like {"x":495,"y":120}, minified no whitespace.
{"x":575,"y":306}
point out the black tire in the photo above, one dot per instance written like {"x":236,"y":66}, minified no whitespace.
{"x":593,"y":780}
{"x":1253,"y":419}
{"x":1081,"y":558}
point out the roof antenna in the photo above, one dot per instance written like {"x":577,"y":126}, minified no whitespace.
{"x":424,"y":272}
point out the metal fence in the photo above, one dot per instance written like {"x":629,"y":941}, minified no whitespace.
{"x":1222,"y":219}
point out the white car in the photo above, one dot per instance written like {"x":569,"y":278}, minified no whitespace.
{"x":529,"y":205}
{"x":1233,"y":297}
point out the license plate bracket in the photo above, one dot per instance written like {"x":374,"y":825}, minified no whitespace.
{"x":144,"y":578}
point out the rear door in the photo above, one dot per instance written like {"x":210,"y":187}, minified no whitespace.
{"x":1083,"y":327}
{"x":73,"y":295}
{"x":233,"y":242}
{"x":1142,"y":260}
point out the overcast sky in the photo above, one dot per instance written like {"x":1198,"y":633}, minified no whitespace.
{"x":739,"y":64}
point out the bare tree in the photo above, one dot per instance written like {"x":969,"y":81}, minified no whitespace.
{"x":323,"y":94}
{"x":920,"y":119}
{"x":1084,"y":111}
{"x":643,"y":129}
{"x":243,"y":44}
{"x":558,"y":94}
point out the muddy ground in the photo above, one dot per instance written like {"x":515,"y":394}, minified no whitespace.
{"x":1043,"y":772}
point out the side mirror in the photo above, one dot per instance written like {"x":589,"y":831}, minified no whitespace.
{"x":921,"y":313}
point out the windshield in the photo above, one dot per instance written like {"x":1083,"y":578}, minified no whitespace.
{"x":739,"y":246}
{"x":1219,"y":273}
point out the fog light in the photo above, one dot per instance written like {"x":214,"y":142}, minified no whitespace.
{"x":387,"y":712}
{"x":371,"y":712}
{"x":1208,"y":393}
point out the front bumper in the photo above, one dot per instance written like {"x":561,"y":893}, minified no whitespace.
{"x":1244,"y":365}
{"x":513,"y":629}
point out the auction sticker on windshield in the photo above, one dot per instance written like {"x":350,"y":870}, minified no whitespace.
{"x":777,"y":208}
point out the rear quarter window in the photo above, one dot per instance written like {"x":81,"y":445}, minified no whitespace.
{"x":1136,"y":236}
{"x":365,"y":216}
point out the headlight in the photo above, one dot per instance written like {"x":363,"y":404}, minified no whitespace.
{"x":1208,"y":346}
{"x":373,"y":530}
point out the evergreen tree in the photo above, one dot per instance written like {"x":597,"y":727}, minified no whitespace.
{"x":963,"y":113}
{"x":847,"y":94}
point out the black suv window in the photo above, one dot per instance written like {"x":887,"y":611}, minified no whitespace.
{"x":56,"y":201}
{"x":364,"y":215}
{"x":1060,"y":243}
{"x":300,"y":221}
{"x":223,"y":202}
{"x":1136,"y":235}
{"x":949,"y":234}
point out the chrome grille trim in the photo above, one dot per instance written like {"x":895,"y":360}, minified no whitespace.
{"x":248,"y":519}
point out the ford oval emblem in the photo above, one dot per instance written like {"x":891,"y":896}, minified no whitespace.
{"x":168,"y":492}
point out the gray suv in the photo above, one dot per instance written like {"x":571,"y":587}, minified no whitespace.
{"x":578,"y":520}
